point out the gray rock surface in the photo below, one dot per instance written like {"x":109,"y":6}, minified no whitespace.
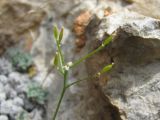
{"x":2,"y":96}
{"x":3,"y":79}
{"x":17,"y":17}
{"x":7,"y":107}
{"x":18,"y":101}
{"x":146,"y":7}
{"x":133,"y":83}
{"x":13,"y":89}
{"x":5,"y":66}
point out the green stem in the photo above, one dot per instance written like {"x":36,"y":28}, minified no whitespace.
{"x":61,"y":95}
{"x":86,"y":56}
{"x":105,"y":69}
{"x":60,"y":52}
{"x":106,"y":42}
{"x":84,"y":79}
{"x":59,"y":103}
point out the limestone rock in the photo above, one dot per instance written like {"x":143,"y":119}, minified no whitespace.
{"x":146,"y":7}
{"x":18,"y":101}
{"x":17,"y":18}
{"x":13,"y":98}
{"x":132,"y":86}
{"x":5,"y":66}
{"x":2,"y":97}
{"x":132,"y":28}
{"x":3,"y":117}
{"x":36,"y":115}
{"x":1,"y":87}
{"x":7,"y":107}
{"x":3,"y":79}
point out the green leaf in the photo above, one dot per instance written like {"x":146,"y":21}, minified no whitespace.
{"x":60,"y":64}
{"x":61,"y":35}
{"x":55,"y":32}
{"x":55,"y":60}
{"x":106,"y":68}
{"x":107,"y":40}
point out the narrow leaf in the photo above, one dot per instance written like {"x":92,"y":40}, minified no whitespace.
{"x":55,"y":31}
{"x":106,"y":68}
{"x":55,"y":60}
{"x":61,"y":35}
{"x":60,"y":64}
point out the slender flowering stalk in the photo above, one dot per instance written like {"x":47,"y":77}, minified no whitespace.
{"x":64,"y":68}
{"x":106,"y":42}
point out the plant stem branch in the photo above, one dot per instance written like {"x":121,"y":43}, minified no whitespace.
{"x":59,"y":103}
{"x":61,"y":95}
{"x":106,"y":42}
{"x":84,"y":79}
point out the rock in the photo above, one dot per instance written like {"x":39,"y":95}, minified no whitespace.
{"x":142,"y":7}
{"x":136,"y":25}
{"x":5,"y":66}
{"x":22,"y":95}
{"x":18,"y":101}
{"x":44,"y":47}
{"x":2,"y":97}
{"x":3,"y":117}
{"x":28,"y":106}
{"x":3,"y":79}
{"x":19,"y":82}
{"x":36,"y":114}
{"x":1,"y":87}
{"x":21,"y":88}
{"x":80,"y":24}
{"x":7,"y":107}
{"x":10,"y":92}
{"x":132,"y":86}
{"x":16,"y":19}
{"x":14,"y":78}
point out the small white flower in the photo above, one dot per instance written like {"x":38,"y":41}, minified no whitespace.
{"x":102,"y":44}
{"x":66,"y":67}
{"x":98,"y":73}
{"x":70,"y":64}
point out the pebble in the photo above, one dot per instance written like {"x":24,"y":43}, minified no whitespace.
{"x":3,"y":79}
{"x":2,"y":97}
{"x":21,"y":88}
{"x":13,"y":98}
{"x":3,"y":117}
{"x":11,"y":93}
{"x":1,"y":87}
{"x":36,"y":114}
{"x":28,"y":106}
{"x":18,"y":101}
{"x":14,"y":78}
{"x":7,"y":107}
